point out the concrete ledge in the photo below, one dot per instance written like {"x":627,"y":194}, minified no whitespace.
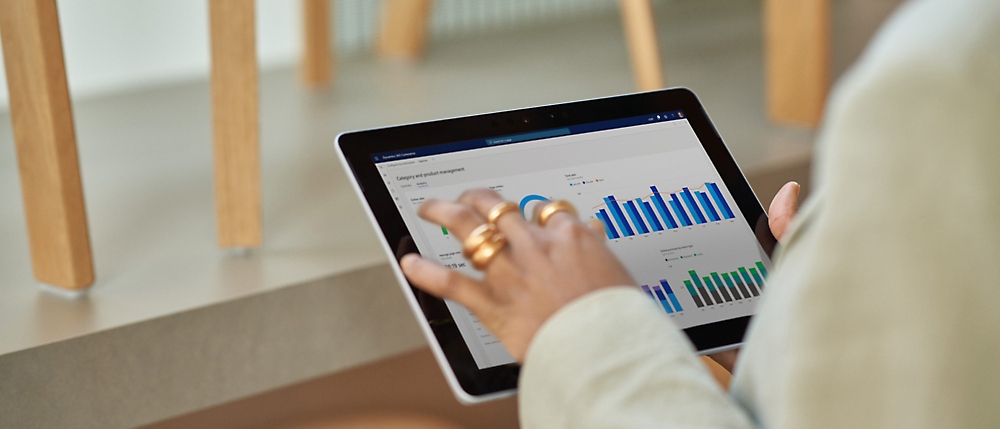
{"x":164,"y":367}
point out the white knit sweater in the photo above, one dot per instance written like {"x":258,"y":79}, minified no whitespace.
{"x":883,"y":309}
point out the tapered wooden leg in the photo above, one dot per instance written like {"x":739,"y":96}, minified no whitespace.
{"x":403,"y":31}
{"x":797,"y":59}
{"x":235,"y":123}
{"x":317,"y":56}
{"x":46,"y":143}
{"x":640,"y":32}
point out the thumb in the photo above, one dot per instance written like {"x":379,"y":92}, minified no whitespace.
{"x":784,"y":207}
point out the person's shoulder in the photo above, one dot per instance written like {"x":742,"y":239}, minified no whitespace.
{"x":939,"y":39}
{"x":928,"y":55}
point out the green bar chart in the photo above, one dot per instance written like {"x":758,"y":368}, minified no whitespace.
{"x":722,"y":287}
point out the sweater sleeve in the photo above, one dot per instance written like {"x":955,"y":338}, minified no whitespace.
{"x":610,"y":360}
{"x":882,"y":312}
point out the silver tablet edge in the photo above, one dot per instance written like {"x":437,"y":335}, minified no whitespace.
{"x":460,"y":394}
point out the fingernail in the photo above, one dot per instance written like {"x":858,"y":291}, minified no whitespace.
{"x":408,"y":261}
{"x":789,"y":187}
{"x":797,"y":189}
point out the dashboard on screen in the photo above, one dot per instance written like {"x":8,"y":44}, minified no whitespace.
{"x":667,"y":213}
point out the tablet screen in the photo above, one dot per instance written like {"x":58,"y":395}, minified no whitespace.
{"x":667,"y":213}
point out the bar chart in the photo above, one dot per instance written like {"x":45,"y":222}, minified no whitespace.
{"x":665,"y":295}
{"x":660,"y":211}
{"x":719,"y":288}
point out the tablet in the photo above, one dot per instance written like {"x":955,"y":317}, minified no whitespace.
{"x":650,"y":167}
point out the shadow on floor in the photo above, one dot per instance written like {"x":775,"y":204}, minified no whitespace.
{"x":406,"y":392}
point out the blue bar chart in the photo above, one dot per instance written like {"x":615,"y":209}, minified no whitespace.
{"x":671,"y":296}
{"x":660,"y":211}
{"x":665,"y":296}
{"x":608,"y":225}
{"x":719,"y":288}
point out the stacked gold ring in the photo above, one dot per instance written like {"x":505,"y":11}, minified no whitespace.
{"x":488,"y":250}
{"x":486,"y":241}
{"x":479,"y":236}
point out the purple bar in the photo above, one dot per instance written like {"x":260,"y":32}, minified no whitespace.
{"x":648,"y":292}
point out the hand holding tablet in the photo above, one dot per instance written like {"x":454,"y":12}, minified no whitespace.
{"x":675,"y":217}
{"x":540,"y":269}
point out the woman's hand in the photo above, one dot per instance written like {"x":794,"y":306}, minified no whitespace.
{"x":784,"y":207}
{"x":540,"y":269}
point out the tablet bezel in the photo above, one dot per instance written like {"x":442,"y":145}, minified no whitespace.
{"x":356,"y":150}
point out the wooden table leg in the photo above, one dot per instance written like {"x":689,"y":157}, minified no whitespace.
{"x":797,"y":60}
{"x":317,"y":58}
{"x":235,"y":123}
{"x":46,"y":143}
{"x":640,"y":31}
{"x":403,"y":30}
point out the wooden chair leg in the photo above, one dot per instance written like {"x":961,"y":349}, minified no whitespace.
{"x":403,"y":31}
{"x":235,"y":123}
{"x":317,"y":58}
{"x":46,"y":143}
{"x":797,"y":59}
{"x":640,"y":32}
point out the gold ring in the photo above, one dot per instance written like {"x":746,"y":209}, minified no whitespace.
{"x":477,"y":237}
{"x":488,"y":250}
{"x":500,"y":210}
{"x":553,"y":208}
